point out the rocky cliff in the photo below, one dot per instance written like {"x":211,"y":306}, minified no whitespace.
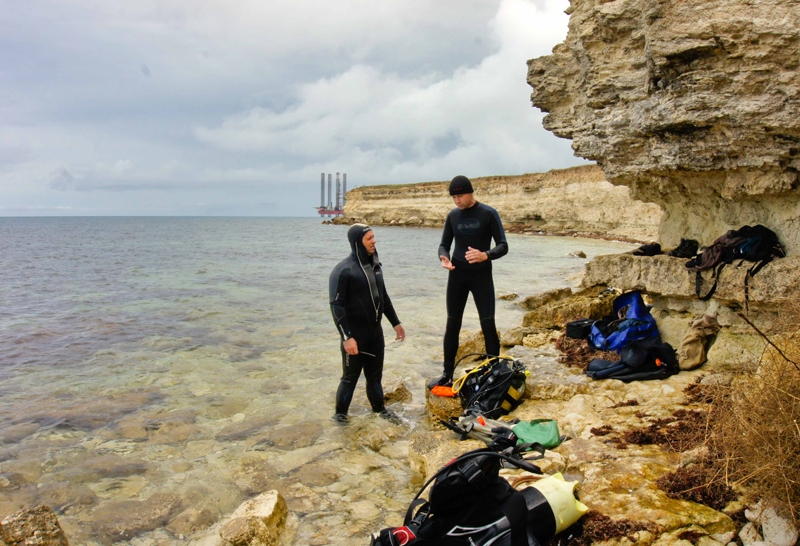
{"x":692,"y":105}
{"x":576,"y":200}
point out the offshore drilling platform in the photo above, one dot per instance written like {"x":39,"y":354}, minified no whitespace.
{"x":331,"y":208}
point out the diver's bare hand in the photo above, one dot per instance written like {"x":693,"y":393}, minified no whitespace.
{"x":475,"y":256}
{"x":350,"y":346}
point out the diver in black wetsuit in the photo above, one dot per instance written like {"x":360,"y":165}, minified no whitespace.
{"x":358,"y":301}
{"x":473,"y":225}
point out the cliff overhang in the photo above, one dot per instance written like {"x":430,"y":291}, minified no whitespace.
{"x":694,"y":106}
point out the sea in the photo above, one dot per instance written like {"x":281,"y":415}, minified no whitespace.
{"x":155,"y":373}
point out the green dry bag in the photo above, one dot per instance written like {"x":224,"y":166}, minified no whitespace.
{"x":543,"y":431}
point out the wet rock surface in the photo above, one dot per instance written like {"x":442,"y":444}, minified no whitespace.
{"x":35,"y":526}
{"x":123,"y":520}
{"x":593,"y":302}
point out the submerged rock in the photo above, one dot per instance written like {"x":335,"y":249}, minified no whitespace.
{"x":17,"y":433}
{"x":64,"y":495}
{"x":123,"y":520}
{"x":192,"y":520}
{"x":35,"y":526}
{"x":295,"y":436}
{"x":396,"y":392}
{"x":244,"y":429}
{"x":257,"y":522}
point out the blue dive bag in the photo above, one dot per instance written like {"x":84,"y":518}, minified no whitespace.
{"x":631,"y":321}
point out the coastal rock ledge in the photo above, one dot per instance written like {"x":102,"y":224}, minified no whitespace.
{"x":694,"y":106}
{"x":560,"y":202}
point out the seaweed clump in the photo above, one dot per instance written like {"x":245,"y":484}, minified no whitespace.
{"x":684,"y":430}
{"x":698,"y":483}
{"x":577,"y":353}
{"x":596,"y":527}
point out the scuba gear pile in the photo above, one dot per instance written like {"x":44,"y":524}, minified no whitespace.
{"x":632,"y":332}
{"x":641,"y":360}
{"x":471,"y":505}
{"x":492,"y":388}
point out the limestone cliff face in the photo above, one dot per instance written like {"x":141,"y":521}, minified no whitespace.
{"x":694,"y":105}
{"x":577,"y":200}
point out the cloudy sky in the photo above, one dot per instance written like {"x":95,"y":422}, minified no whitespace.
{"x":213,"y":107}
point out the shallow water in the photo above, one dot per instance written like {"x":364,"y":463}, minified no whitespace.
{"x":156,"y":372}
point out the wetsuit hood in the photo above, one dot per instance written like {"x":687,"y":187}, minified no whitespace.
{"x":355,"y":235}
{"x":368,"y":263}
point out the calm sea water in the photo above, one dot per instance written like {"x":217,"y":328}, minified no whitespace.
{"x":156,"y":372}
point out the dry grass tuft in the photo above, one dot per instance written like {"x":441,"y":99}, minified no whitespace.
{"x":755,"y":422}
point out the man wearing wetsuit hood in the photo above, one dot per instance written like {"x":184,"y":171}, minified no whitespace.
{"x":358,"y":301}
{"x":473,"y":225}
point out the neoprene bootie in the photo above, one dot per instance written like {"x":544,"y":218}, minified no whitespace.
{"x":390,"y":416}
{"x":445,"y":380}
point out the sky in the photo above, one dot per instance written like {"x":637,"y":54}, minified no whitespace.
{"x":234,"y":108}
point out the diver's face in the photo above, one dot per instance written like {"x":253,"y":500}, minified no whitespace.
{"x":369,"y":242}
{"x":464,"y":201}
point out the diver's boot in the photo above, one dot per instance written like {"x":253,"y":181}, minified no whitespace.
{"x":445,"y":380}
{"x":340,"y":418}
{"x":390,"y":416}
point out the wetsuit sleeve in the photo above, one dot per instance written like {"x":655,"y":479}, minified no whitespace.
{"x":388,"y":309}
{"x":447,"y":238}
{"x":337,"y":286}
{"x":499,"y":235}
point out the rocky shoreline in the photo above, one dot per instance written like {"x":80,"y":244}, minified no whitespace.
{"x":623,"y":439}
{"x":567,"y":202}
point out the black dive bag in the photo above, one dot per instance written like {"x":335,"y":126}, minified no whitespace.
{"x":470,"y":505}
{"x":493,"y":388}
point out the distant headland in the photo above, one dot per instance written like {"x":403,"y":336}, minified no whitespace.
{"x":575,"y":201}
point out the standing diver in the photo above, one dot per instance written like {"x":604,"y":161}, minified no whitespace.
{"x":473,"y":225}
{"x":358,"y":301}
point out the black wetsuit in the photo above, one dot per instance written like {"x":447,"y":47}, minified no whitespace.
{"x":473,"y":227}
{"x":358,"y":302}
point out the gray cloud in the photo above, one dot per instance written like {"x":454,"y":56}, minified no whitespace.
{"x":241,"y":106}
{"x":63,"y":181}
